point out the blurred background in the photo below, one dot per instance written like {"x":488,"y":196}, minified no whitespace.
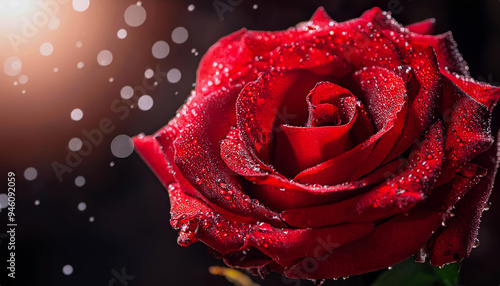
{"x":78,"y":78}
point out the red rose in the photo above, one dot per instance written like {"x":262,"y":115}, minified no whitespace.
{"x":330,"y":149}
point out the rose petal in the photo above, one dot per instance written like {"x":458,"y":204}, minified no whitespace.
{"x":221,"y":62}
{"x":456,"y":241}
{"x":423,"y":97}
{"x":379,"y":88}
{"x":425,"y":27}
{"x":244,"y":50}
{"x":444,"y":45}
{"x":382,"y":20}
{"x":468,"y":177}
{"x":196,"y":153}
{"x":277,"y":243}
{"x":338,"y":49}
{"x":482,"y":92}
{"x":275,"y":98}
{"x":321,"y":17}
{"x":196,"y":221}
{"x":400,"y":236}
{"x":384,"y":95}
{"x":158,"y":152}
{"x":279,"y":193}
{"x":323,"y":98}
{"x":298,"y":148}
{"x":468,"y":128}
{"x":396,"y":195}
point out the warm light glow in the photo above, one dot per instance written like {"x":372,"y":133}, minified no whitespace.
{"x":14,"y":8}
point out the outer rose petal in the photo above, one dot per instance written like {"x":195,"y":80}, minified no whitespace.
{"x":444,"y":45}
{"x":197,"y":156}
{"x":196,"y":221}
{"x":425,"y":27}
{"x":221,"y":189}
{"x":321,"y":18}
{"x":336,"y":49}
{"x":384,"y":21}
{"x":400,"y":236}
{"x":446,"y":49}
{"x":468,"y":129}
{"x":245,"y":50}
{"x":482,"y":92}
{"x":158,"y":152}
{"x":456,"y":241}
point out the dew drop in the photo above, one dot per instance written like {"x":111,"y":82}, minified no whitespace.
{"x":487,"y":206}
{"x":476,"y":243}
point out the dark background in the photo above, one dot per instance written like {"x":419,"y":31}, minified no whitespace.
{"x":131,"y":230}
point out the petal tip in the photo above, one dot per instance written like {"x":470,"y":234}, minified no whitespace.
{"x":321,"y":15}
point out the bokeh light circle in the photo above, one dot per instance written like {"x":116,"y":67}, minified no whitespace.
{"x":145,"y":102}
{"x":12,"y":66}
{"x":30,"y":173}
{"x":121,"y":34}
{"x":135,"y":15}
{"x":122,"y":146}
{"x":46,"y":49}
{"x":160,"y":50}
{"x":174,"y":76}
{"x":75,"y":144}
{"x":81,"y":5}
{"x":76,"y":114}
{"x":180,"y":35}
{"x":80,"y":181}
{"x":67,"y":269}
{"x":104,"y":58}
{"x":149,"y":73}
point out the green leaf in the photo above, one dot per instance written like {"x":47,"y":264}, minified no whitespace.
{"x":411,"y":273}
{"x":448,"y":274}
